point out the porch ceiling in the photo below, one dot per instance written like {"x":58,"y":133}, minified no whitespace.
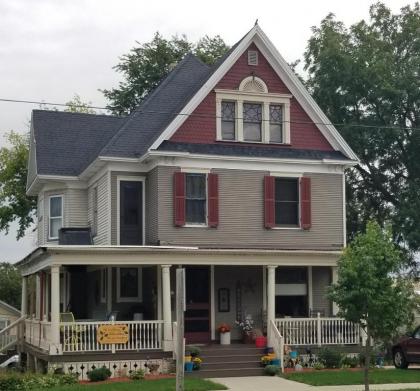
{"x":45,"y":257}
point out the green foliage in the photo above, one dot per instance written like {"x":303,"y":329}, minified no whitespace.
{"x":148,"y":63}
{"x":350,"y":362}
{"x":319,"y":365}
{"x":14,"y":203}
{"x":76,"y":105}
{"x":10,"y":284}
{"x":11,"y":381}
{"x":99,"y":374}
{"x":271,"y":370}
{"x":137,"y":375}
{"x":367,"y":74}
{"x":194,"y":350}
{"x":331,"y":358}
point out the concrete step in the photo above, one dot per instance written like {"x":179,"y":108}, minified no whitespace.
{"x":204,"y":373}
{"x":230,"y":358}
{"x":230,"y":364}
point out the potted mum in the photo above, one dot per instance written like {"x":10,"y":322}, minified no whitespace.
{"x":224,"y":330}
{"x":247,"y":327}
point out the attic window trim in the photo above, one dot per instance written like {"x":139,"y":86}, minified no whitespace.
{"x":266,"y":99}
{"x":253,"y":57}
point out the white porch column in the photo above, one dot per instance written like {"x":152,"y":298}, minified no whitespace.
{"x":55,"y":347}
{"x":334,"y":274}
{"x":24,"y":302}
{"x":38,"y":296}
{"x":310,"y":291}
{"x":271,"y":298}
{"x":166,"y":308}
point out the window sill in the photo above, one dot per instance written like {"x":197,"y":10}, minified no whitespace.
{"x":195,"y":226}
{"x":252,"y":142}
{"x":288,"y":228}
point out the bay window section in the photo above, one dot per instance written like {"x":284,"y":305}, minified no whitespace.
{"x":252,"y":122}
{"x":276,"y":124}
{"x":55,"y":217}
{"x":195,"y":199}
{"x":228,"y":120}
{"x":287,"y":202}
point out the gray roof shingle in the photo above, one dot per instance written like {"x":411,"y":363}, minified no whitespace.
{"x":66,"y":143}
{"x":250,"y":151}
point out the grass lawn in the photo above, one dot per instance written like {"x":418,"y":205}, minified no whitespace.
{"x":145,"y":385}
{"x":346,"y":377}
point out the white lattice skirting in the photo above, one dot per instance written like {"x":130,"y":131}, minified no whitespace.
{"x":120,"y":368}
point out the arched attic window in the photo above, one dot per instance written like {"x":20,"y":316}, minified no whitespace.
{"x":253,"y":84}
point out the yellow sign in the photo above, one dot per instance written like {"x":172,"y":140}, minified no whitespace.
{"x":112,"y":333}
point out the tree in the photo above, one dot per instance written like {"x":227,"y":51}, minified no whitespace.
{"x":10,"y":284}
{"x":148,"y":63}
{"x":15,"y":204}
{"x":368,"y":75}
{"x":371,"y":290}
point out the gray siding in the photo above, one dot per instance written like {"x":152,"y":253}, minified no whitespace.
{"x":103,"y":234}
{"x":152,"y":210}
{"x":321,"y":277}
{"x":40,"y":218}
{"x":241,"y":214}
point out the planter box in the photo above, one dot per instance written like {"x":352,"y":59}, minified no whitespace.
{"x":225,"y":338}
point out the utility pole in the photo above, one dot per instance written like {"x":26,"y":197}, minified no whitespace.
{"x":180,"y":340}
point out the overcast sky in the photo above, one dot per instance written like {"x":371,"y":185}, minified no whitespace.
{"x":52,"y":49}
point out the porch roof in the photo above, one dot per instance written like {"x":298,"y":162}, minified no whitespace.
{"x":47,"y":256}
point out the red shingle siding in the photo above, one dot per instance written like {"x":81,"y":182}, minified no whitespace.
{"x":201,"y":126}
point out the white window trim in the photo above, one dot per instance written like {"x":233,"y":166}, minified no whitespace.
{"x":95,"y":200}
{"x":265,"y":99}
{"x":139,"y":298}
{"x":299,"y":226}
{"x":198,"y":225}
{"x":56,"y":217}
{"x":134,"y":179}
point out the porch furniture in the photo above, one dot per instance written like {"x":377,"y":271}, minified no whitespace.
{"x":113,"y":315}
{"x":72,"y":334}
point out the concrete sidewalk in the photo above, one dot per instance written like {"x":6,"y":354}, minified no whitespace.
{"x":275,"y":383}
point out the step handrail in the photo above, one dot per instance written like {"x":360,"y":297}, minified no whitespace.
{"x":12,"y":325}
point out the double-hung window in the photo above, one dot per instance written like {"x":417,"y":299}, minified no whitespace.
{"x":252,"y":122}
{"x":195,"y":198}
{"x":228,"y":120}
{"x":287,"y":202}
{"x":276,"y":124}
{"x":129,"y":284}
{"x":55,"y":216}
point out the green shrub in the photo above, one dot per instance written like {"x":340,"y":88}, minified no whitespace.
{"x":372,"y":359}
{"x":350,"y":362}
{"x":11,"y":381}
{"x":271,"y":370}
{"x":330,"y":358}
{"x":194,"y":351}
{"x":319,"y":365}
{"x":99,"y":374}
{"x":137,"y":375}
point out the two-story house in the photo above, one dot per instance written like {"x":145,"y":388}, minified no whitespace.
{"x":231,"y":171}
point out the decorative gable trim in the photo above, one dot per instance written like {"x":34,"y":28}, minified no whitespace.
{"x":291,"y":81}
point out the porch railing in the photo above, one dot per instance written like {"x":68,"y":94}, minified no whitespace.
{"x":83,"y":336}
{"x":10,"y":335}
{"x":278,"y":343}
{"x":318,"y":331}
{"x":38,"y":333}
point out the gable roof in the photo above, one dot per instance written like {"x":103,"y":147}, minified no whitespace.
{"x":292,"y":82}
{"x":7,"y":307}
{"x":147,"y":122}
{"x":66,"y":143}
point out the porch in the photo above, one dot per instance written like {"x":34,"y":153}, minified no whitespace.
{"x":128,"y":293}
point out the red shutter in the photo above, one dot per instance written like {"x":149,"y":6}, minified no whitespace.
{"x":179,"y":199}
{"x":305,"y":202}
{"x":269,"y":208}
{"x":213,"y":201}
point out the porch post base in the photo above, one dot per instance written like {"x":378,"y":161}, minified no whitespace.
{"x":56,"y":350}
{"x":168,"y":346}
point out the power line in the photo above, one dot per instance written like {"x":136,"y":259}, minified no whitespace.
{"x":389,"y":127}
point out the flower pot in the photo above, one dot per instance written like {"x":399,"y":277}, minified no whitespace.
{"x":260,"y":342}
{"x":187,"y":359}
{"x":276,"y":362}
{"x":247,"y":338}
{"x":225,"y":338}
{"x":189,"y":366}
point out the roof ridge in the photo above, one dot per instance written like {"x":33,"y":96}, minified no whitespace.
{"x":139,"y":109}
{"x":78,"y":113}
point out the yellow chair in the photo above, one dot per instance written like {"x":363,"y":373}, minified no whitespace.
{"x":71,"y":334}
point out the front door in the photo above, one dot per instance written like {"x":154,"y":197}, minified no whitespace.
{"x":131,"y":213}
{"x":197,"y":315}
